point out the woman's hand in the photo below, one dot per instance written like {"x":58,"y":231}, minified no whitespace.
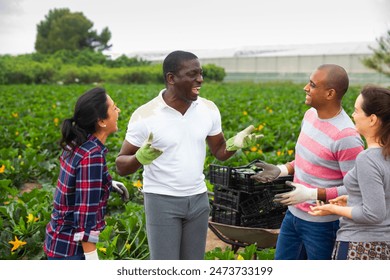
{"x":340,"y":200}
{"x":337,"y":206}
{"x":321,"y":209}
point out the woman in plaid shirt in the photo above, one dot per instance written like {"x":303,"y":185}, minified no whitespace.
{"x":84,"y":184}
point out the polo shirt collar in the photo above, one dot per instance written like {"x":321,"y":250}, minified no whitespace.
{"x":165,"y":105}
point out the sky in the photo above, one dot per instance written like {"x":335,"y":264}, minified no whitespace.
{"x":166,"y":25}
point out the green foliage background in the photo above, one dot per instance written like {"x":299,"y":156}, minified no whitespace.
{"x":31,"y":116}
{"x":86,"y":67}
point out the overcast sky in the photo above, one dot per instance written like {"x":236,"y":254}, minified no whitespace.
{"x":165,"y":25}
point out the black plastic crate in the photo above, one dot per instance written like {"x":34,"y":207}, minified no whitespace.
{"x":220,"y":175}
{"x":226,"y":207}
{"x":260,"y":203}
{"x":228,"y":197}
{"x":239,"y":177}
{"x":225,"y":215}
{"x":240,"y":208}
{"x":272,"y":220}
{"x":245,"y":183}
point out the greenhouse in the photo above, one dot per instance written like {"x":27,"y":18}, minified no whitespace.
{"x":286,"y":62}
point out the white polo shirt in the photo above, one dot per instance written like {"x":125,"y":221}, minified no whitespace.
{"x":182,"y":138}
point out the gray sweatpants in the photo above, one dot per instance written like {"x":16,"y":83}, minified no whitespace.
{"x":176,"y":226}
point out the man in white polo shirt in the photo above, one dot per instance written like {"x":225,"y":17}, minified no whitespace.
{"x":168,"y":137}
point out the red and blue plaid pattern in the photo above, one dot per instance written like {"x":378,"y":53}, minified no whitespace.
{"x":80,"y":200}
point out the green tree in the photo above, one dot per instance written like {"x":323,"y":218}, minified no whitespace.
{"x":380,"y":60}
{"x":125,"y":61}
{"x":212,"y":72}
{"x":64,"y":30}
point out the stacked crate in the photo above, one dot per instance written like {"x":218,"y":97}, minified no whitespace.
{"x":242,"y":201}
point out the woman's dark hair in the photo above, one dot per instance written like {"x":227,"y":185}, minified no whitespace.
{"x":90,"y":107}
{"x":376,"y":100}
{"x":174,"y":60}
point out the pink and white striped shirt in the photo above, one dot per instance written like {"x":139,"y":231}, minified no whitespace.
{"x":325,"y":151}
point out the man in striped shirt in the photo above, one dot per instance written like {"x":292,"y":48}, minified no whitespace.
{"x":325,"y":151}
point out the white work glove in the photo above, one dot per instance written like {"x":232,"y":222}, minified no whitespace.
{"x":243,"y":139}
{"x":299,"y":194}
{"x":91,"y":256}
{"x":121,"y":189}
{"x":270,"y":172}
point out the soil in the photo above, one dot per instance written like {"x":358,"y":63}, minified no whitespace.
{"x":28,"y":187}
{"x":213,"y":242}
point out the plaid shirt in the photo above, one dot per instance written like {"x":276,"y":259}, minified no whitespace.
{"x":80,"y":200}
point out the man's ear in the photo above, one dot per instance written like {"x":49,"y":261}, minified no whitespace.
{"x":170,"y":78}
{"x":331,"y":94}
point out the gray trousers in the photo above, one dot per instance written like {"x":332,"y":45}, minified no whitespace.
{"x":176,"y":226}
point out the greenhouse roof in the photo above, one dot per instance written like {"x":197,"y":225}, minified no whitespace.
{"x":303,"y":50}
{"x":269,"y":51}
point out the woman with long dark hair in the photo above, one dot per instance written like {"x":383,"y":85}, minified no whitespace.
{"x":84,"y":183}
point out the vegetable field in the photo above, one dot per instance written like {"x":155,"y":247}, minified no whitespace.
{"x":30,"y":130}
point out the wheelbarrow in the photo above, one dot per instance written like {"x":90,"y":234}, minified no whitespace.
{"x":238,"y":236}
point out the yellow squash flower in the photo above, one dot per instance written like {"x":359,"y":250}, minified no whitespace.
{"x":17,"y":243}
{"x":137,"y":184}
{"x":2,"y":168}
{"x":103,"y":250}
{"x":240,"y":258}
{"x":127,"y":246}
{"x":31,"y":218}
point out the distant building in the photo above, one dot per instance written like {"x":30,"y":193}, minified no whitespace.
{"x":285,"y":62}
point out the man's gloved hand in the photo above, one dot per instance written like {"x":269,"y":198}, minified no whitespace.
{"x":243,"y":139}
{"x":299,"y":194}
{"x":121,"y":189}
{"x":91,"y":256}
{"x":146,"y":154}
{"x":270,"y":172}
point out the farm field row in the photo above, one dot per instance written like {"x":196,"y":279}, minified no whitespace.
{"x":30,"y":130}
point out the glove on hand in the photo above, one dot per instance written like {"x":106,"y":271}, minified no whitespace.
{"x":243,"y":139}
{"x":91,"y":256}
{"x":121,"y":189}
{"x":270,"y":172}
{"x":146,"y":154}
{"x":299,"y":194}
